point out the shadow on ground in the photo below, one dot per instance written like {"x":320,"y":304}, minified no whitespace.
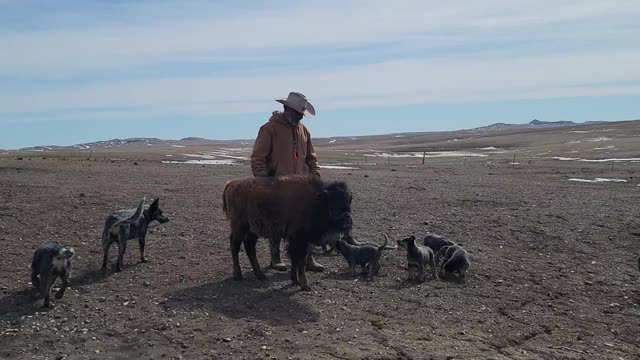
{"x":275,"y":301}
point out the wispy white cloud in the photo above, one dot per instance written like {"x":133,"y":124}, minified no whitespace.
{"x":395,"y":82}
{"x":79,"y":57}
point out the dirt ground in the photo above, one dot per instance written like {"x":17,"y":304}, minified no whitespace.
{"x":554,"y":272}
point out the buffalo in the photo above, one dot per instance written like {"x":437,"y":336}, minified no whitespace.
{"x":302,"y":209}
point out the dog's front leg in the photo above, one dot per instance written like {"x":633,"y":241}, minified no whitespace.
{"x":46,"y":282}
{"x":421,"y":274}
{"x":34,"y":278}
{"x":65,"y":285}
{"x":141,"y":241}
{"x":433,"y":268}
{"x":372,"y":268}
{"x":352,"y":268}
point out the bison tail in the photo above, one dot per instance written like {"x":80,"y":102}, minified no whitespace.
{"x":224,"y":198}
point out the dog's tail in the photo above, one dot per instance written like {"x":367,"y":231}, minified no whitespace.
{"x":384,"y":246}
{"x":386,"y":240}
{"x":135,"y":216}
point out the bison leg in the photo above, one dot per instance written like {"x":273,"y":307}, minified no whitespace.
{"x":250,"y":241}
{"x":298,"y":254}
{"x":294,"y":272}
{"x":274,"y":247}
{"x":236,"y":242}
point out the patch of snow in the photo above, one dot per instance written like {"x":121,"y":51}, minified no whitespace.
{"x":601,"y":138}
{"x":488,"y":148}
{"x":565,"y":158}
{"x":399,"y":136}
{"x":36,"y":150}
{"x":338,"y":167}
{"x":332,"y":141}
{"x":169,"y":155}
{"x":607,"y":160}
{"x":149,"y":144}
{"x":597,"y":180}
{"x":596,"y":160}
{"x":580,"y":131}
{"x":352,"y":164}
{"x":514,"y":163}
{"x":428,"y":154}
{"x":575,"y":142}
{"x":604,"y":148}
{"x":202,"y":162}
{"x":213,"y":155}
{"x":178,"y":146}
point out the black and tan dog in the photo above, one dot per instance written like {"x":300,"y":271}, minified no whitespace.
{"x":436,"y":242}
{"x":366,"y":255}
{"x":419,"y":257}
{"x":124,"y":225}
{"x":50,"y":262}
{"x":453,"y":259}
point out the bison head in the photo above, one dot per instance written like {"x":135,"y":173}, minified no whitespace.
{"x":334,"y":205}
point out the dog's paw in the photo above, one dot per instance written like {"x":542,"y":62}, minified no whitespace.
{"x":305,"y":287}
{"x":57,"y":294}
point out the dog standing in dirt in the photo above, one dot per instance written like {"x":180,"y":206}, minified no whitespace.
{"x":436,"y":242}
{"x":365,"y":255}
{"x":124,"y":225}
{"x":50,"y":262}
{"x":418,"y":257}
{"x":454,"y":260}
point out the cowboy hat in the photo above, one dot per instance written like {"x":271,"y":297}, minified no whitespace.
{"x":299,"y":103}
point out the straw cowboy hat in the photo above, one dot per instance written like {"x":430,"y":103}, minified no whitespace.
{"x":299,"y":103}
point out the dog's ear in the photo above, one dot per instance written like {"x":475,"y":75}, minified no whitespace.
{"x":155,"y":203}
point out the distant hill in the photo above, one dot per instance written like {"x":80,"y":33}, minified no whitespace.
{"x":337,"y":141}
{"x":535,"y":123}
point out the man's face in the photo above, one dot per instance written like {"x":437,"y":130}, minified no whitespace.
{"x":292,"y":116}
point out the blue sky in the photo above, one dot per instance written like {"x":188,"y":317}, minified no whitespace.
{"x":79,"y":71}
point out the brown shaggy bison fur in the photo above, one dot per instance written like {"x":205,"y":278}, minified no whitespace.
{"x":301,"y":209}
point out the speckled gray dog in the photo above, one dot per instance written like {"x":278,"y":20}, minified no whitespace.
{"x":50,"y":262}
{"x":124,"y":225}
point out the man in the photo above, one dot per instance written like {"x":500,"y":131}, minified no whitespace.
{"x":283,"y":147}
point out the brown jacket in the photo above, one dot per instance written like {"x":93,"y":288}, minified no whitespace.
{"x":273,"y":151}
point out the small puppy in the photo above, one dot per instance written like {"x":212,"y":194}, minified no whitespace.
{"x":50,"y":262}
{"x":436,"y":242}
{"x":367,"y":256}
{"x":124,"y":225}
{"x":455,"y":260}
{"x":418,"y":256}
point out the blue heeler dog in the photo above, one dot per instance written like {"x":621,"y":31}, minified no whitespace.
{"x":124,"y":225}
{"x":50,"y":262}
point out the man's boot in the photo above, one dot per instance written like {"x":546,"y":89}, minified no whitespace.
{"x":312,"y":265}
{"x":276,"y":263}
